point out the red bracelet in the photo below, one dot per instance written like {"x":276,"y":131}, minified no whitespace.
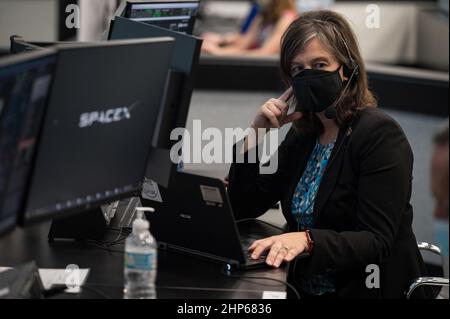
{"x":310,"y":242}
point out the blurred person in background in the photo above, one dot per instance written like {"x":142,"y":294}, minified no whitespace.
{"x":95,"y":17}
{"x":229,"y":38}
{"x":263,"y":36}
{"x":439,"y":188}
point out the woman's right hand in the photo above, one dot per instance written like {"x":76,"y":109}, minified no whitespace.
{"x":274,"y":113}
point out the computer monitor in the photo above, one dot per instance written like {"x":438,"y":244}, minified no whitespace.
{"x":174,"y":15}
{"x":25,"y":82}
{"x":99,"y":126}
{"x":184,"y":65}
{"x":19,"y":45}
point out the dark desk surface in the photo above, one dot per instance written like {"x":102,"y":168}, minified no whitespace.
{"x":179,"y":276}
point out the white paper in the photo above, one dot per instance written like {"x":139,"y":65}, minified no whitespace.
{"x":72,"y":277}
{"x":274,"y":295}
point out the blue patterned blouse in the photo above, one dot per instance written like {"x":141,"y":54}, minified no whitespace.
{"x":303,"y":209}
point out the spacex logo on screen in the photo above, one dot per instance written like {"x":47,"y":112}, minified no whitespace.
{"x":113,"y":115}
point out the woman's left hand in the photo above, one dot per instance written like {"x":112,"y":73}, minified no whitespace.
{"x":283,"y":248}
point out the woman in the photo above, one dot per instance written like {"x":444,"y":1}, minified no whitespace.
{"x":344,"y":173}
{"x":263,"y":36}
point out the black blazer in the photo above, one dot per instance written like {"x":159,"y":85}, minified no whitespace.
{"x":362,"y":211}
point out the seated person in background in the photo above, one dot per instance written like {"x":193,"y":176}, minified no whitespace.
{"x":264,"y":34}
{"x":230,"y":38}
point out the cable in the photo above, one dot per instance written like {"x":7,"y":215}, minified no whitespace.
{"x":114,"y":228}
{"x":288,"y":285}
{"x":108,"y":249}
{"x":117,"y":240}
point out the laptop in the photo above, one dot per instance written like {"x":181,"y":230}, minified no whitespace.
{"x":194,"y":215}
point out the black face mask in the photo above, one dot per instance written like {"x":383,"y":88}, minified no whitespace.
{"x":317,"y":90}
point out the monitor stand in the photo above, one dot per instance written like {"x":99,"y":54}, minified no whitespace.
{"x":90,"y":224}
{"x":93,"y":224}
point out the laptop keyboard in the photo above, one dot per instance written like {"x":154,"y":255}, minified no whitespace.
{"x":251,"y":231}
{"x":246,"y":243}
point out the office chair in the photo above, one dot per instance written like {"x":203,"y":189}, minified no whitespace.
{"x":431,"y":281}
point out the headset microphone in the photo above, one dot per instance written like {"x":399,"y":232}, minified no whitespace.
{"x":331,"y":112}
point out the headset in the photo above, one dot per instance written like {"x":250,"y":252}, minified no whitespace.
{"x":354,"y":66}
{"x":349,"y":71}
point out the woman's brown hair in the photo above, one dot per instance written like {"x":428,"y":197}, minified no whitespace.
{"x":273,"y":12}
{"x":335,"y":33}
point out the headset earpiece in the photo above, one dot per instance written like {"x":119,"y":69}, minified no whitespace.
{"x":352,"y":70}
{"x":355,"y":68}
{"x":347,"y":71}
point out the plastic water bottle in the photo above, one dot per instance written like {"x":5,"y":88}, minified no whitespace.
{"x":140,"y":260}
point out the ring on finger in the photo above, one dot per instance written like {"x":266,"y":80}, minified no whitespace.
{"x":285,"y":248}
